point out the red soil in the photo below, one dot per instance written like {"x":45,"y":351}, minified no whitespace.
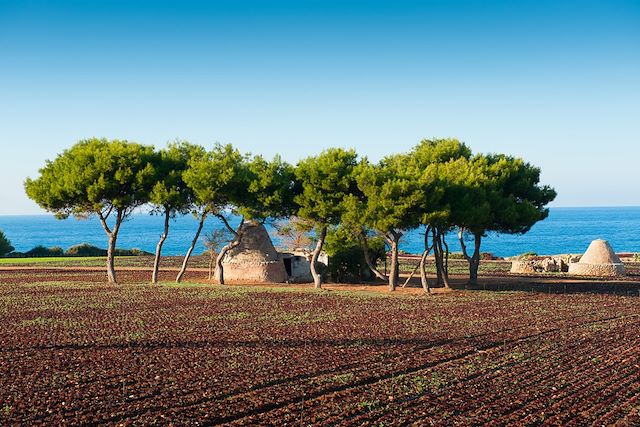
{"x":87,"y":352}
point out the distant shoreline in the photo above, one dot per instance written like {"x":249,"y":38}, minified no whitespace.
{"x":566,"y":230}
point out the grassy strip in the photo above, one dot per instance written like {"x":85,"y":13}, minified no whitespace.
{"x":47,"y":260}
{"x":196,"y":261}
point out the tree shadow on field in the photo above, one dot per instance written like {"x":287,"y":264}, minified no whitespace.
{"x":267,"y":343}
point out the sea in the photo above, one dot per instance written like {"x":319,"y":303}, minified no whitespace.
{"x":566,"y":230}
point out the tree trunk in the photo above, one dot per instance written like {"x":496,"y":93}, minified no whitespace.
{"x":423,"y":262}
{"x":473,"y":272}
{"x":219,"y":272}
{"x":113,"y":237}
{"x":394,"y":270}
{"x":474,"y":260}
{"x":163,"y":237}
{"x":437,"y":257}
{"x":111,"y":270}
{"x":317,"y":280}
{"x":406,"y":282}
{"x":367,"y":256}
{"x":439,"y":253}
{"x":445,"y":263}
{"x":183,"y":269}
{"x":212,"y":259}
{"x":423,"y":272}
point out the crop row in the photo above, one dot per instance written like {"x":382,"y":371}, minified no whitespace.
{"x":457,"y":386}
{"x":88,"y":353}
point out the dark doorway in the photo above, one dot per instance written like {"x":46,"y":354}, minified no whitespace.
{"x":287,"y":265}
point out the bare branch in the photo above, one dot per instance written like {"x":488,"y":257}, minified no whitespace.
{"x":226,"y":223}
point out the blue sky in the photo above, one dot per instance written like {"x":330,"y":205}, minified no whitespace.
{"x":556,"y":82}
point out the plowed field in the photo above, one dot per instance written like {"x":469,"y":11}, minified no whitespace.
{"x":75,"y":352}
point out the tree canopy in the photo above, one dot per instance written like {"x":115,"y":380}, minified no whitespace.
{"x":169,"y":191}
{"x":323,"y":184}
{"x":215,"y":177}
{"x":96,"y":177}
{"x":170,"y":194}
{"x":268,"y":189}
{"x":497,"y":193}
{"x":388,"y":204}
{"x":5,"y":244}
{"x":437,"y":186}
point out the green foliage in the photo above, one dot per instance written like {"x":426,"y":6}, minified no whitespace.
{"x":324,"y":183}
{"x":406,"y":190}
{"x":434,"y":151}
{"x":215,"y":178}
{"x":269,"y":189}
{"x":95,"y":176}
{"x":456,"y":255}
{"x":480,"y":194}
{"x":256,"y":189}
{"x":502,"y":194}
{"x":169,"y":191}
{"x":488,"y":256}
{"x":5,"y":244}
{"x":390,"y":195}
{"x":346,"y":259}
{"x":438,"y":166}
{"x":517,"y":198}
{"x":438,"y":183}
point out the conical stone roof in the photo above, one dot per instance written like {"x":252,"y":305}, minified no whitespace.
{"x":600,"y":252}
{"x":254,"y":260}
{"x":255,"y":245}
{"x":599,"y":260}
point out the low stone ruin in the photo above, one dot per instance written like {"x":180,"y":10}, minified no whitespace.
{"x":550,"y":264}
{"x":599,"y":260}
{"x":298,"y":264}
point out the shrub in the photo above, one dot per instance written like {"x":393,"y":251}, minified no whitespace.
{"x":487,"y":256}
{"x":41,"y":251}
{"x":456,"y":255}
{"x":85,"y":249}
{"x":15,"y":254}
{"x":346,"y":259}
{"x":132,"y":252}
{"x":5,"y":245}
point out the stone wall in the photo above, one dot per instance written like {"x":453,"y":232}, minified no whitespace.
{"x":255,"y":272}
{"x":599,"y":270}
{"x":544,"y":265}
